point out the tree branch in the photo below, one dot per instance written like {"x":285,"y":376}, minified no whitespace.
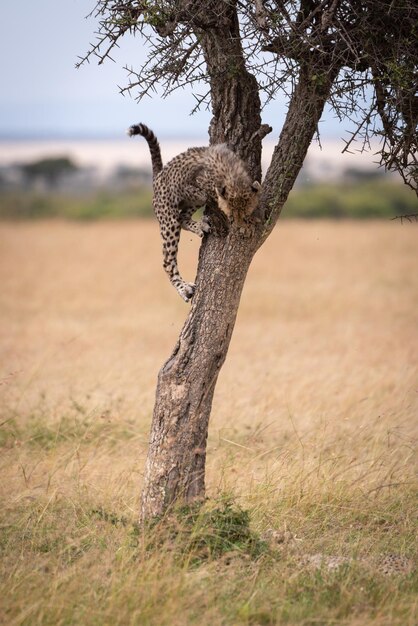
{"x":305,"y":110}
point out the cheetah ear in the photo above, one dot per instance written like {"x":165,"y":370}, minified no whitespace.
{"x":256,"y":186}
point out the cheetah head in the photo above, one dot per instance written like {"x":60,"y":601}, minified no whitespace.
{"x":238,"y":202}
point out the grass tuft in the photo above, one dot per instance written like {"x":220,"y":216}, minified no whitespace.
{"x":205,"y":532}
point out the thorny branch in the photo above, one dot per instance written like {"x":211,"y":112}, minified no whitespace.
{"x":372,"y":43}
{"x":409,"y":217}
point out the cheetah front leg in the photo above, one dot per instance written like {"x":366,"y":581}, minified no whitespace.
{"x":187,"y":223}
{"x":170,"y":233}
{"x":199,"y":228}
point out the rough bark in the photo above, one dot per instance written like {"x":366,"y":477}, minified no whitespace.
{"x":235,"y":98}
{"x":176,"y":458}
{"x":175,"y":468}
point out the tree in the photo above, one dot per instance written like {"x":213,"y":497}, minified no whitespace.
{"x":357,"y":56}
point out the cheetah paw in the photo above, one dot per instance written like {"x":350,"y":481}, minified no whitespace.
{"x":205,"y":224}
{"x":186,"y":290}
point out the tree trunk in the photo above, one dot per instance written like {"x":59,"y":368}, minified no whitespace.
{"x":175,"y":468}
{"x":177,"y":453}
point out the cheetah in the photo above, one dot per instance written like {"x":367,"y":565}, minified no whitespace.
{"x":186,"y":184}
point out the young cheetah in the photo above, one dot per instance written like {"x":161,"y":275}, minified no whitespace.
{"x":186,"y":184}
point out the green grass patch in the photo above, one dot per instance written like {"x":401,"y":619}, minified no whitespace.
{"x":40,"y":432}
{"x":368,"y":199}
{"x":364,"y":199}
{"x":95,"y":205}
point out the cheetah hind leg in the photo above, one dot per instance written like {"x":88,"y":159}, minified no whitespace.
{"x":171,"y":237}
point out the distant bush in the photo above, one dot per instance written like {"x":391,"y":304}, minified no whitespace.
{"x":50,"y":170}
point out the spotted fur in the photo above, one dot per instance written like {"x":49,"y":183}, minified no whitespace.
{"x":187,"y":183}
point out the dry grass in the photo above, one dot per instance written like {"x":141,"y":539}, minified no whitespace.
{"x":312,"y":428}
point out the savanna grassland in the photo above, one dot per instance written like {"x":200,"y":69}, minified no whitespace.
{"x":311,"y":469}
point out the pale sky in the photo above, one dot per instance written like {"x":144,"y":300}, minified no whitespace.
{"x":43,"y":94}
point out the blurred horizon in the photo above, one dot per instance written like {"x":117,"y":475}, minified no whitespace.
{"x":325,"y":160}
{"x":107,"y":178}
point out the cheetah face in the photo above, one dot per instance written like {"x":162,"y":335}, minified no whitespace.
{"x":240,"y":202}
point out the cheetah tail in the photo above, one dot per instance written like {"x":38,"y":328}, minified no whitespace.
{"x":154,"y":146}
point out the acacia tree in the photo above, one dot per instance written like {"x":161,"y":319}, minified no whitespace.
{"x":357,"y":56}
